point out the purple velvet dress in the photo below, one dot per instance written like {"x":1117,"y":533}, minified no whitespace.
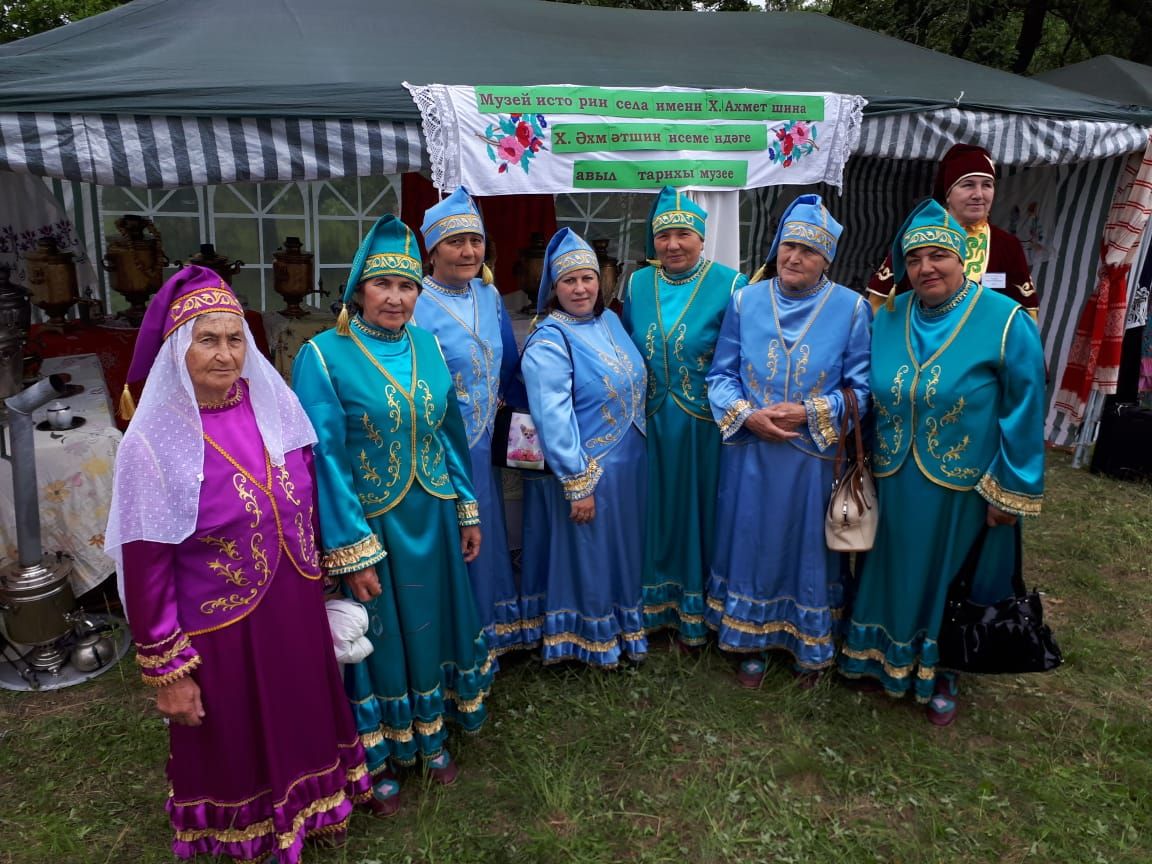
{"x":239,"y":605}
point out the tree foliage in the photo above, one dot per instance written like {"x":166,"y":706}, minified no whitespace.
{"x":27,"y":17}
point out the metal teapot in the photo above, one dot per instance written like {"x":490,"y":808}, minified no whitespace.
{"x":95,"y":646}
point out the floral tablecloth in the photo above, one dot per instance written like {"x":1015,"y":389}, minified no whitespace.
{"x":286,"y":335}
{"x":74,"y":477}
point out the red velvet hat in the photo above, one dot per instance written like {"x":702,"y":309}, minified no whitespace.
{"x":962,"y":160}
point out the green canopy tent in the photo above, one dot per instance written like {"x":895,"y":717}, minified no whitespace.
{"x":163,"y":94}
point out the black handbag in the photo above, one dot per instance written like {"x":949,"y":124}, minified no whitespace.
{"x":1005,"y":638}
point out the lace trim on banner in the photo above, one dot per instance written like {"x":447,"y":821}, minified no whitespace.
{"x":441,"y":132}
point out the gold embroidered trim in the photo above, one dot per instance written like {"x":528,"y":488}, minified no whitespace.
{"x":770,"y":627}
{"x":174,"y":675}
{"x":373,"y":739}
{"x":925,"y":673}
{"x":467,"y":706}
{"x":581,"y":642}
{"x":155,"y":661}
{"x":823,"y":432}
{"x":234,"y":397}
{"x":583,"y":484}
{"x":1016,"y":503}
{"x":141,"y":646}
{"x":348,"y":558}
{"x":266,"y":827}
{"x":428,"y":728}
{"x":467,"y":513}
{"x":737,"y":412}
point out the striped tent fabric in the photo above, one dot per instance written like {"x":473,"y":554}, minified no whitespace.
{"x":166,"y":152}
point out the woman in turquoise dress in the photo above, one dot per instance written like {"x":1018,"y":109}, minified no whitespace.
{"x":584,"y":525}
{"x":673,"y":311}
{"x":958,"y":388}
{"x":788,"y":348}
{"x":398,"y":515}
{"x":467,"y":317}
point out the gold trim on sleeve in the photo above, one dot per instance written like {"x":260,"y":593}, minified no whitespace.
{"x":819,"y":411}
{"x":582,"y":485}
{"x":158,"y":660}
{"x":174,"y":675}
{"x":348,"y":559}
{"x":734,"y":417}
{"x":1016,"y":503}
{"x":467,"y":513}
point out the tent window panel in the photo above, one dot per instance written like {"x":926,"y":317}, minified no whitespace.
{"x":379,"y":196}
{"x":182,"y":200}
{"x":123,"y":200}
{"x":337,"y":241}
{"x":290,"y":201}
{"x":248,"y":287}
{"x":180,"y":236}
{"x":238,"y":198}
{"x":338,"y":198}
{"x":333,"y":277}
{"x":239,"y":239}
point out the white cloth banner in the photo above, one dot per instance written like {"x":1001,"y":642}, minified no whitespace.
{"x":568,"y":138}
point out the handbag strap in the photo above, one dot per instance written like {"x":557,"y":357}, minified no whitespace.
{"x":849,"y":420}
{"x":961,"y":586}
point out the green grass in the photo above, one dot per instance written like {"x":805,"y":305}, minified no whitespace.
{"x":672,"y":762}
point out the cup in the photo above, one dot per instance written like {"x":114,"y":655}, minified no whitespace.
{"x":59,"y":415}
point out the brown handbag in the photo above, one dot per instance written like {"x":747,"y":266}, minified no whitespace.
{"x":853,"y":511}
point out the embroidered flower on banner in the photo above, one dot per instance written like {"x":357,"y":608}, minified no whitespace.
{"x":794,"y":140}
{"x":515,"y":140}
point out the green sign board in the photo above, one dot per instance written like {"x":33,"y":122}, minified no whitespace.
{"x":655,"y":173}
{"x":608,"y":137}
{"x":650,"y":104}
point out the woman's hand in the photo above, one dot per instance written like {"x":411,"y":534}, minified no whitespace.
{"x":997,"y":517}
{"x":584,"y":510}
{"x":763,"y":425}
{"x":788,"y":416}
{"x":364,"y":584}
{"x":470,"y":542}
{"x":180,"y":702}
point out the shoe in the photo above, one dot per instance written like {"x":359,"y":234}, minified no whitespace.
{"x":942,"y":706}
{"x":805,"y":679}
{"x":385,"y":800}
{"x":443,"y":768}
{"x":751,"y":674}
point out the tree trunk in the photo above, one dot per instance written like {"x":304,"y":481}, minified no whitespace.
{"x":1031,"y":33}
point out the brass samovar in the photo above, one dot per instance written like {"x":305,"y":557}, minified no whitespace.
{"x":136,"y":261}
{"x":609,"y":271}
{"x":293,"y":276}
{"x":52,"y":280}
{"x":213,"y":260}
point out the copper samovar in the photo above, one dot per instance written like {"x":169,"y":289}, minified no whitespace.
{"x":293,"y":276}
{"x":136,"y":261}
{"x":52,"y":280}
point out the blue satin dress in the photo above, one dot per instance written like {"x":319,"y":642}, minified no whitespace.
{"x":959,"y":402}
{"x":774,"y":583}
{"x":476,"y":337}
{"x":585,"y":383}
{"x":394,"y":487}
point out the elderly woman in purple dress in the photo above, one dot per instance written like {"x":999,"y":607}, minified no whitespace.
{"x":213,"y":523}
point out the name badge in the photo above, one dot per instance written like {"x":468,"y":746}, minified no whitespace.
{"x":995,"y":281}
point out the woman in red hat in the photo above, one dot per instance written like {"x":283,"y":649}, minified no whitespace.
{"x":966,"y":186}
